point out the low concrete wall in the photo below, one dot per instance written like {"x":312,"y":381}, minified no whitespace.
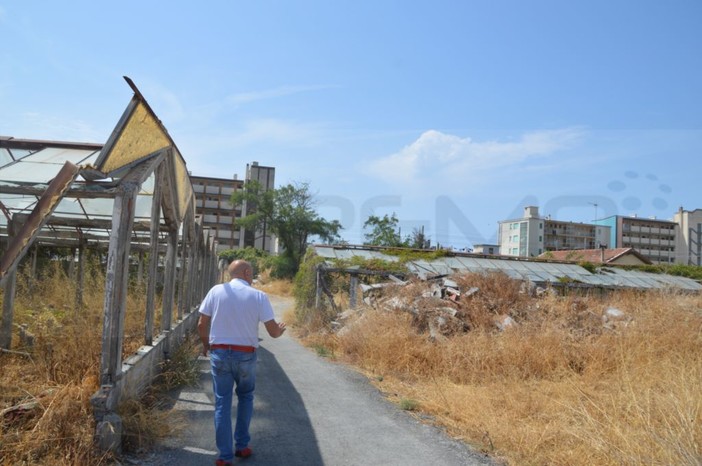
{"x":139,"y":371}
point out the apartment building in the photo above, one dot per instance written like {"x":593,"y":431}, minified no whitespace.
{"x":688,"y":247}
{"x":533,"y":235}
{"x":260,"y":238}
{"x":654,"y":239}
{"x":213,"y":203}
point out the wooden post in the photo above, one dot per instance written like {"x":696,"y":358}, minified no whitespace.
{"x":140,"y":269}
{"x":116,"y":283}
{"x":192,"y":266}
{"x":169,"y":280}
{"x":153,"y":262}
{"x":200,"y":279}
{"x":72,"y":264}
{"x":35,"y":251}
{"x":183,"y":272}
{"x":318,"y":288}
{"x":352,"y":291}
{"x":8,"y":302}
{"x":81,"y":276}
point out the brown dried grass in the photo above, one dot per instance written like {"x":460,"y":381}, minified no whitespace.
{"x":557,"y":388}
{"x":277,"y":287}
{"x":61,"y":373}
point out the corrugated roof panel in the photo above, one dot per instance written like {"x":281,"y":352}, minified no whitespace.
{"x":57,"y":155}
{"x":454,"y":263}
{"x":379,"y":255}
{"x":442,"y":267}
{"x":29,"y":172}
{"x":517,"y":265}
{"x":511,"y":273}
{"x":325,"y":251}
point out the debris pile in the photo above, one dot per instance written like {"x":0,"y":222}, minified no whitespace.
{"x":495,"y":302}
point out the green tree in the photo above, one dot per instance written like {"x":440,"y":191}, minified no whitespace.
{"x":288,"y":212}
{"x":418,"y":240}
{"x":383,"y":231}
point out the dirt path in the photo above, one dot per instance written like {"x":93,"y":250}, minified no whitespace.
{"x":310,"y":411}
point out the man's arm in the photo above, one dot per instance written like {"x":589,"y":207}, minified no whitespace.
{"x":203,"y":330}
{"x":274,"y":329}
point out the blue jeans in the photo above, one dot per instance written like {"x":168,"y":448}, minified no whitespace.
{"x":229,"y":368}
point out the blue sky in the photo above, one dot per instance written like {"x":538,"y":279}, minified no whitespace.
{"x":453,"y":114}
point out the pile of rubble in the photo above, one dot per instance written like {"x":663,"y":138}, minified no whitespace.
{"x":448,"y":306}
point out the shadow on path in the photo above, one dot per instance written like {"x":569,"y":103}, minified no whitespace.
{"x":281,"y":431}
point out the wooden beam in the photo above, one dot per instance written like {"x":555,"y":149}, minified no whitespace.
{"x":169,"y":280}
{"x":42,"y":211}
{"x":116,"y":284}
{"x":193,"y":266}
{"x":153,"y":260}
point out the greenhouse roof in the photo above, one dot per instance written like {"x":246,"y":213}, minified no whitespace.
{"x":536,"y":271}
{"x":83,"y":209}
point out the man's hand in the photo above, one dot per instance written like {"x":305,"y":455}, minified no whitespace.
{"x":205,"y":349}
{"x":274,"y":329}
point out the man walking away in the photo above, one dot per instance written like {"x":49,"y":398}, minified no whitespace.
{"x":228,"y":329}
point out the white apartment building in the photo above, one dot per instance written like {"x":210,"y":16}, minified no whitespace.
{"x":688,"y":245}
{"x":533,"y":235}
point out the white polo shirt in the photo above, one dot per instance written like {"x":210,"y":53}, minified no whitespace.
{"x":236,"y":309}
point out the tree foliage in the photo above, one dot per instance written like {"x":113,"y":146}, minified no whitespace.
{"x":288,"y":212}
{"x":383,"y":231}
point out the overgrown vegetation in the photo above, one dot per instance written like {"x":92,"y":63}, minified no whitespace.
{"x":690,"y":271}
{"x":561,"y":385}
{"x":47,"y":382}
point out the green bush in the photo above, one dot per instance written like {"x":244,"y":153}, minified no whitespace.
{"x":282,"y":267}
{"x":257,"y":258}
{"x":305,"y":291}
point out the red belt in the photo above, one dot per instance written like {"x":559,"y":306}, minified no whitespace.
{"x":245,"y":349}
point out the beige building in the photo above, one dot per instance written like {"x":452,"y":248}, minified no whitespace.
{"x":688,"y":248}
{"x":219,"y":215}
{"x":652,"y":238}
{"x":533,"y":235}
{"x":261,"y":238}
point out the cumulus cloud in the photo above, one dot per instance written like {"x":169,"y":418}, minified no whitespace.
{"x":452,"y":157}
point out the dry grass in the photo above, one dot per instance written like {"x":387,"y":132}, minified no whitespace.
{"x":276,"y":287}
{"x":55,"y":381}
{"x":558,"y":388}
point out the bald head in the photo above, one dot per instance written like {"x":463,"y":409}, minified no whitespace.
{"x":241,"y":269}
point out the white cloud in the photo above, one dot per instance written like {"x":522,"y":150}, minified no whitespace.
{"x":275,"y":131}
{"x":282,"y":91}
{"x":454,"y":158}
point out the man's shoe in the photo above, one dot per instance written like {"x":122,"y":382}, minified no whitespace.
{"x":243,"y":453}
{"x":223,"y":463}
